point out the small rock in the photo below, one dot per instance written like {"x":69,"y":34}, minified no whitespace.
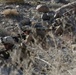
{"x":45,"y":16}
{"x":17,"y":6}
{"x":3,"y":32}
{"x":51,"y":13}
{"x":3,"y":23}
{"x":42,"y":8}
{"x":25,"y":22}
{"x":14,"y":12}
{"x":8,"y":12}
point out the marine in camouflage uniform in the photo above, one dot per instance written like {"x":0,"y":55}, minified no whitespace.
{"x":8,"y":46}
{"x":26,"y":37}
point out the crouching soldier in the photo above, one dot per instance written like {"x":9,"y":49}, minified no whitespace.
{"x":26,"y":29}
{"x":8,"y":43}
{"x":26,"y":37}
{"x":41,"y":32}
{"x":10,"y":50}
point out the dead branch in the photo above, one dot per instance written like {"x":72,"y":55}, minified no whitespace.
{"x":69,"y":5}
{"x":43,"y":61}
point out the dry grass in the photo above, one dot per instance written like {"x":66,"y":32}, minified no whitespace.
{"x":55,"y":60}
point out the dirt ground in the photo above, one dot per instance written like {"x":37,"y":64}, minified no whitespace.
{"x":58,"y":59}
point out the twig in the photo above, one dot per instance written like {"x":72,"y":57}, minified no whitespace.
{"x":69,"y":5}
{"x":69,"y":72}
{"x":19,"y":30}
{"x":43,"y":61}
